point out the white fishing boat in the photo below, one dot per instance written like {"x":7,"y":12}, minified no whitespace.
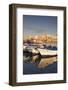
{"x":42,"y":52}
{"x":47,"y":52}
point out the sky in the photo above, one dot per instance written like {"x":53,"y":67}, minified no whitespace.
{"x":38,"y":25}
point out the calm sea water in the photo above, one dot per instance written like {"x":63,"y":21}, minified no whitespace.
{"x":39,"y":66}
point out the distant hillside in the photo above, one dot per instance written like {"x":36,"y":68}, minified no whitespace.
{"x":41,"y":39}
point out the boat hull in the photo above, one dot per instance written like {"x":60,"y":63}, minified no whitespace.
{"x":43,"y":53}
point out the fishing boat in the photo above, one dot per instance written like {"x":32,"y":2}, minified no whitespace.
{"x":47,"y":52}
{"x":39,"y":51}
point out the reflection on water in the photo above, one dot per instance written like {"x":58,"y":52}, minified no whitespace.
{"x":37,"y":65}
{"x":46,"y":61}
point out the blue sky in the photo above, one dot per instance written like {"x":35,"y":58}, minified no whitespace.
{"x":38,"y":25}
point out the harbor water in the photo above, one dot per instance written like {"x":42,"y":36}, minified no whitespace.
{"x":36,"y":65}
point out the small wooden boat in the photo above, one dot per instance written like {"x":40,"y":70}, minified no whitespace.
{"x":41,"y":52}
